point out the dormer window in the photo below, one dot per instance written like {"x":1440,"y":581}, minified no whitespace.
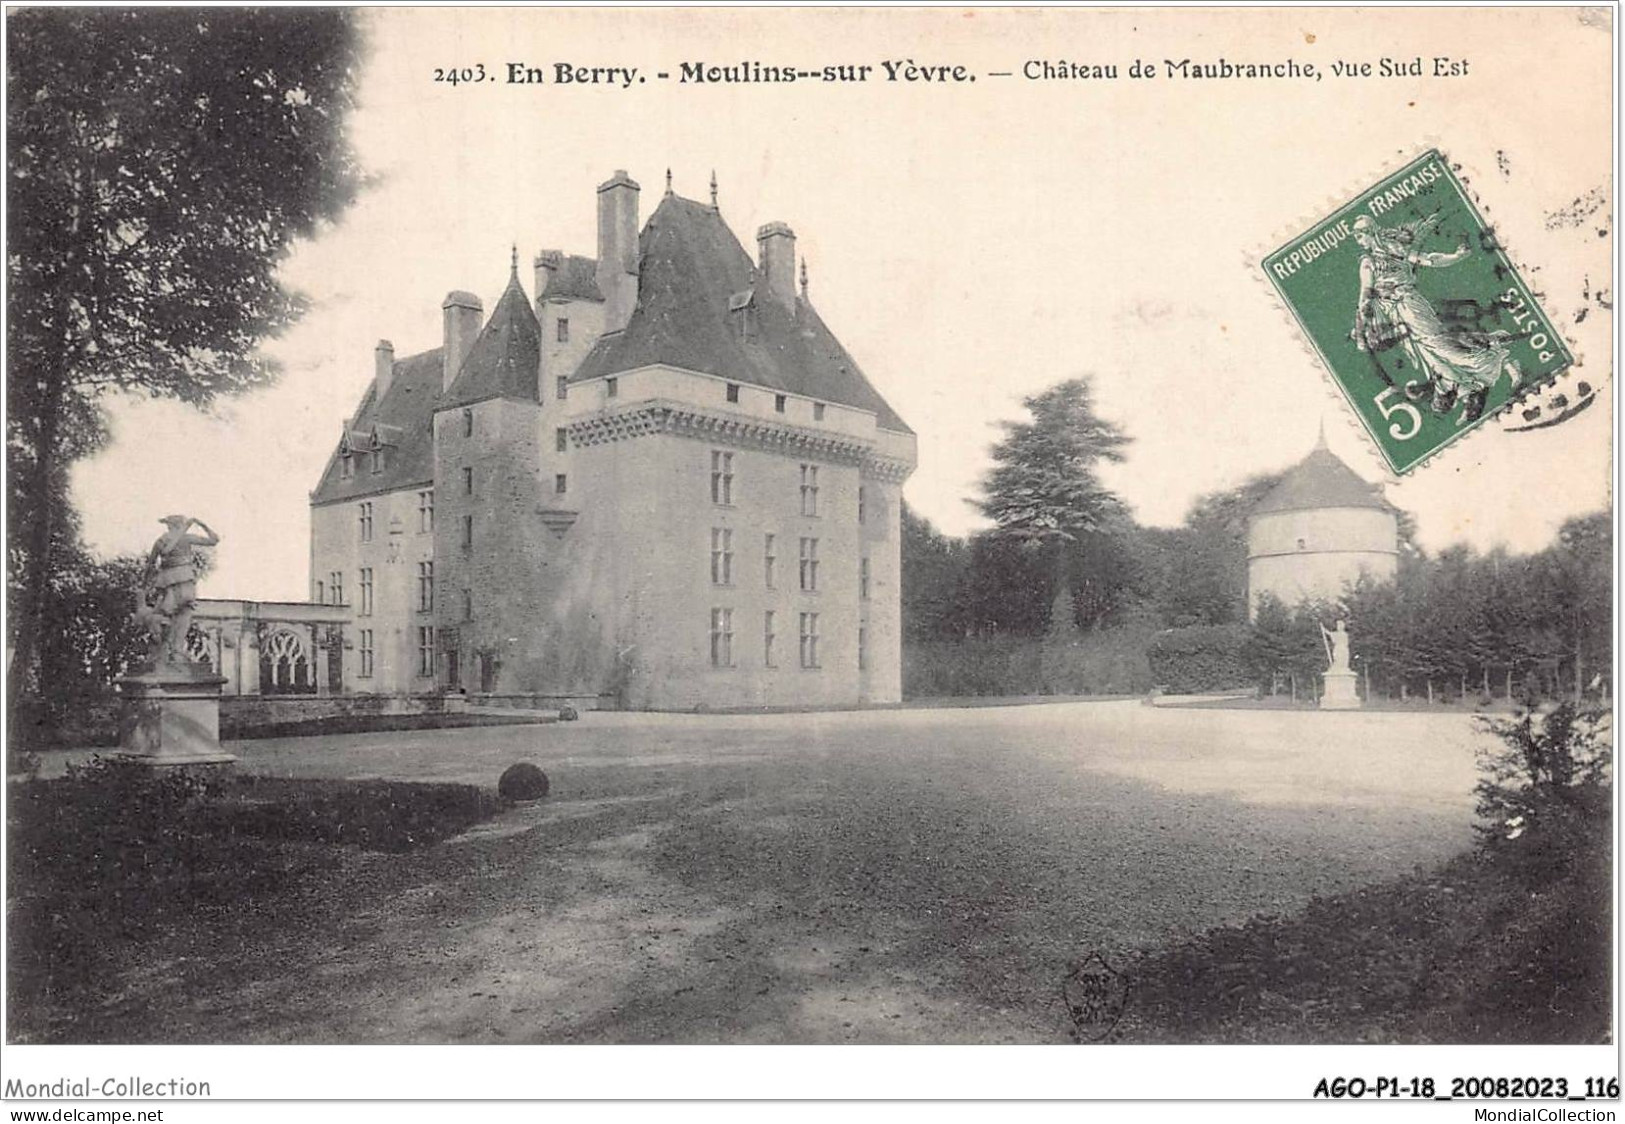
{"x":346,"y":465}
{"x":742,"y":311}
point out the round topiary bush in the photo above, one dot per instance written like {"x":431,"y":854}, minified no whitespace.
{"x":567,"y":713}
{"x":523,"y":781}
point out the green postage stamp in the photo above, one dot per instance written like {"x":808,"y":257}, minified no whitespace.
{"x":1417,"y":311}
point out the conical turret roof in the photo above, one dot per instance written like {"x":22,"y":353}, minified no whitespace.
{"x":1321,"y":480}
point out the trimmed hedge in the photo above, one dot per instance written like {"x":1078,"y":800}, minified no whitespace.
{"x":1105,"y":662}
{"x":1200,"y":657}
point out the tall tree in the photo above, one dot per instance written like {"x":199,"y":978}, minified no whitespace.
{"x":1206,"y":574}
{"x":933,"y":566}
{"x":162,"y":163}
{"x":1044,"y":490}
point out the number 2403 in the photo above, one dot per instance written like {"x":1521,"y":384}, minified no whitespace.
{"x":453,"y":75}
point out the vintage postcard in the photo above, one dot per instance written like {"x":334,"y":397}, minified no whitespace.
{"x":545,"y":527}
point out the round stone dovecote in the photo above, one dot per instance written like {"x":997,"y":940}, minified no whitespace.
{"x":1318,"y":530}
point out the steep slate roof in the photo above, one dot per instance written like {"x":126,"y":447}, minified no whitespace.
{"x":690,"y":266}
{"x":1321,"y":480}
{"x":406,"y":415}
{"x":575,"y":278}
{"x":506,"y":356}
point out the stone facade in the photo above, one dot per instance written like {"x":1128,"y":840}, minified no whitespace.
{"x":612,"y":467}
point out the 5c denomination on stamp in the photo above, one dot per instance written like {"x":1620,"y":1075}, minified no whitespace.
{"x":1416,"y":310}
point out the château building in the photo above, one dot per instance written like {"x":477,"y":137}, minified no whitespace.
{"x":1317,"y":531}
{"x":660,"y":479}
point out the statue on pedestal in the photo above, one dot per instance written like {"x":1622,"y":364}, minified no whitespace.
{"x":168,"y":595}
{"x":1336,"y":642}
{"x":1340,"y":692}
{"x":171,"y":706}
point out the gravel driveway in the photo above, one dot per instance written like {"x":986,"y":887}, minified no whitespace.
{"x":888,"y":876}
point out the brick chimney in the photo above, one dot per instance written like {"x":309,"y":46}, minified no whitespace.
{"x":383,"y":367}
{"x":618,"y":249}
{"x":462,"y":313}
{"x":776,"y":258}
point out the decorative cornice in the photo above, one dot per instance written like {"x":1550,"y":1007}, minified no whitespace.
{"x":644,"y":419}
{"x":888,"y":470}
{"x":558,"y":519}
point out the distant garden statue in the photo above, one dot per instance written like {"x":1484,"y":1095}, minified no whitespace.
{"x":1340,"y":692}
{"x":170,"y":711}
{"x":168,"y":595}
{"x":1337,"y":647}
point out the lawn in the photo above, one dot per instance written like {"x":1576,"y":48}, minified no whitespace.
{"x":891,"y":876}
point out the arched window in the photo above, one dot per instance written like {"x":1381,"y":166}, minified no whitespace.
{"x":285,"y":665}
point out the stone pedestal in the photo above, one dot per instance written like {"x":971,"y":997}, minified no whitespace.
{"x":171,"y":716}
{"x":1340,"y":693}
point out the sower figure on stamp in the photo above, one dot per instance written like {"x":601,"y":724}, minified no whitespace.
{"x":169,"y":594}
{"x":1392,"y":312}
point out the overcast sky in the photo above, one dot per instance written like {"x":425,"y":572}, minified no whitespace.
{"x":970,"y":244}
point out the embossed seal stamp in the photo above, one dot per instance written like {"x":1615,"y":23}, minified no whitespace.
{"x":1417,"y":311}
{"x":1096,"y":995}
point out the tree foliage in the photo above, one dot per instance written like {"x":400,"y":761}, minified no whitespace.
{"x":1044,"y":486}
{"x":162,"y":163}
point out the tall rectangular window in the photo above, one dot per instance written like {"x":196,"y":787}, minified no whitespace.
{"x":377,"y":461}
{"x":564,"y":330}
{"x":425,"y":512}
{"x":863,"y":502}
{"x":364,"y":516}
{"x":468,"y":604}
{"x":612,"y":387}
{"x":366,"y":650}
{"x":468,"y":531}
{"x":863,"y":648}
{"x":468,"y":480}
{"x":468,"y":423}
{"x":425,"y":651}
{"x":346,"y":466}
{"x":722,"y":477}
{"x":561,"y":388}
{"x":809,"y":565}
{"x":809,"y":639}
{"x":733,"y":392}
{"x":722,"y":637}
{"x":561,"y":440}
{"x":809,"y":489}
{"x":722,"y":556}
{"x":561,"y":484}
{"x":425,"y":587}
{"x":365,"y":609}
{"x":321,"y":593}
{"x":818,"y":411}
{"x":779,"y":403}
{"x":770,"y":658}
{"x":335,"y":583}
{"x":770,"y":559}
{"x":863,"y":579}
